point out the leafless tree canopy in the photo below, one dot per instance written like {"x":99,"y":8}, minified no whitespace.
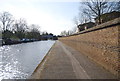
{"x":117,"y":6}
{"x":35,"y":28}
{"x":20,"y":25}
{"x":76,"y":20}
{"x":95,"y":8}
{"x":6,"y":20}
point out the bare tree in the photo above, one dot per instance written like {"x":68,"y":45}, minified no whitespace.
{"x":34,"y":33}
{"x":6,"y":20}
{"x":44,"y":33}
{"x":20,"y":25}
{"x":116,"y":7}
{"x":70,"y":32}
{"x":84,"y":18}
{"x":95,"y":8}
{"x":65,"y":33}
{"x":76,"y":20}
{"x":35,"y":26}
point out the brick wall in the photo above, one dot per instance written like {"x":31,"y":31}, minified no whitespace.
{"x":101,"y":44}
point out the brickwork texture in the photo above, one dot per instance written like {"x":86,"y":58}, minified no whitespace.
{"x":100,"y":43}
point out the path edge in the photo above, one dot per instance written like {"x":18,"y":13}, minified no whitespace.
{"x":41,"y":64}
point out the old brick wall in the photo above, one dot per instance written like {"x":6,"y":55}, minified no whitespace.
{"x":101,"y":44}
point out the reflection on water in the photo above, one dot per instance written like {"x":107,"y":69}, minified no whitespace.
{"x":19,"y":61}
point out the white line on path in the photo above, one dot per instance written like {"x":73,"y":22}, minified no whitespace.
{"x":79,"y":71}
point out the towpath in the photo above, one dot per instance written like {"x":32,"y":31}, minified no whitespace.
{"x":63,"y":62}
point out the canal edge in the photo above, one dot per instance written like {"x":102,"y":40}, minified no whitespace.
{"x":41,"y":64}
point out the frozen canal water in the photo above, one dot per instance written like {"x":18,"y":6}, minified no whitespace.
{"x":19,"y":61}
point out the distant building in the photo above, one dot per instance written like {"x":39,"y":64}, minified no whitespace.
{"x":107,"y":17}
{"x":85,"y":26}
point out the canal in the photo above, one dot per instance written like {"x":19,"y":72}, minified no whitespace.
{"x":19,"y":61}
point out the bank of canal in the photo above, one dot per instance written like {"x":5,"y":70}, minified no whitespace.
{"x":19,"y":61}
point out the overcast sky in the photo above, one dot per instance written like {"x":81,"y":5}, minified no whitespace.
{"x":52,"y":16}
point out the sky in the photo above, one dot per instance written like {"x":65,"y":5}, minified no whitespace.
{"x":52,"y":16}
